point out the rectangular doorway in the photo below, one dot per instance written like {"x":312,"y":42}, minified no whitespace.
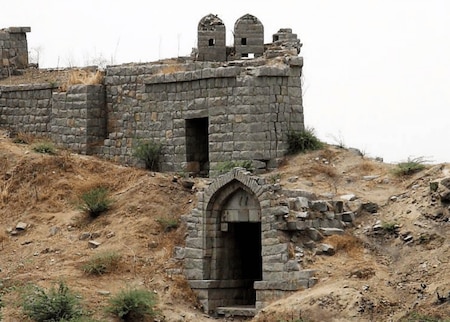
{"x":197,"y":146}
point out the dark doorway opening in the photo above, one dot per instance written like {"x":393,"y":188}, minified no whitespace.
{"x":242,"y":261}
{"x":197,"y":146}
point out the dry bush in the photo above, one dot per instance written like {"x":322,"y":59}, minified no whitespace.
{"x":324,"y":169}
{"x":24,"y":138}
{"x":365,"y":167}
{"x":181,"y":290}
{"x":3,"y":238}
{"x":327,"y":154}
{"x":83,"y":77}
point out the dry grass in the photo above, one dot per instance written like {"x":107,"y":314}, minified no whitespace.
{"x":347,"y":243}
{"x":83,"y":77}
{"x":169,"y":69}
{"x":3,"y":238}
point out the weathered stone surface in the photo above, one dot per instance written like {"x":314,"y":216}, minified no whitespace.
{"x":94,"y":244}
{"x":370,"y":207}
{"x":21,"y":226}
{"x":349,"y":197}
{"x":331,"y":231}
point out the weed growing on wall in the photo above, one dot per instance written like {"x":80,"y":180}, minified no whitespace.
{"x":302,"y":141}
{"x":224,"y":167}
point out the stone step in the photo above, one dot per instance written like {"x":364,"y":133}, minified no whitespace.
{"x":237,"y":310}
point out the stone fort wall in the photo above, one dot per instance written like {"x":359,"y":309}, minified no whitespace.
{"x":204,"y":112}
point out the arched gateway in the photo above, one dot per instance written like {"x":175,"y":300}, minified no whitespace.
{"x":236,"y":255}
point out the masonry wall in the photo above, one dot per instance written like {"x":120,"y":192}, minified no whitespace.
{"x":13,"y":50}
{"x":26,"y":108}
{"x":78,"y":118}
{"x":246,"y":108}
{"x":249,"y":106}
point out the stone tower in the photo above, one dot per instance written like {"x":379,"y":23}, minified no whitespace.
{"x":248,"y":37}
{"x":211,"y":39}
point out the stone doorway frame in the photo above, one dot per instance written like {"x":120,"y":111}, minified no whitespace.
{"x":280,"y":273}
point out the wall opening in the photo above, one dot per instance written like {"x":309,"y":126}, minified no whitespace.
{"x":211,"y":42}
{"x":241,"y":260}
{"x":243,"y":41}
{"x":197,"y":146}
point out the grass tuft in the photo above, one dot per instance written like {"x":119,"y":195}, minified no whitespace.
{"x":95,"y":201}
{"x":149,"y":152}
{"x":45,"y":147}
{"x":58,"y":304}
{"x":303,"y":141}
{"x":132,"y":305}
{"x":102,"y":263}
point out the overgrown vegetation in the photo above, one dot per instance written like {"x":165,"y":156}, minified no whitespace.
{"x":149,"y":152}
{"x":102,"y":263}
{"x":95,"y":201}
{"x":45,"y":147}
{"x":224,"y":167}
{"x":411,"y":166}
{"x":58,"y":304}
{"x":132,"y":304}
{"x":303,"y":141}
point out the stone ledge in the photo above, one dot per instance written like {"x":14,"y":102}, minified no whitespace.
{"x":26,"y":87}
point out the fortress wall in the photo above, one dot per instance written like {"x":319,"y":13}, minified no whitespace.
{"x":78,"y":119}
{"x":26,"y":108}
{"x":249,"y":108}
{"x":246,"y":109}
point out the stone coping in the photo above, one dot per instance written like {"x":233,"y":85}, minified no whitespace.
{"x":26,"y":87}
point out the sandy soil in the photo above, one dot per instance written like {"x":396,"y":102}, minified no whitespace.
{"x":374,"y":276}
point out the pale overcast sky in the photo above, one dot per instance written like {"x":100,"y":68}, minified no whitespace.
{"x":376,"y":72}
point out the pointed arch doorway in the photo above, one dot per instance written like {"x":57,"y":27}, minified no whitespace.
{"x":233,"y":249}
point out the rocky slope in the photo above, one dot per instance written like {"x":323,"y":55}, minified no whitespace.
{"x":390,"y":265}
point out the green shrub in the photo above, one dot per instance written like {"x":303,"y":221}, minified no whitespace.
{"x":58,"y":304}
{"x":45,"y":147}
{"x":302,"y":141}
{"x":224,"y":167}
{"x":411,"y":166}
{"x":168,"y":223}
{"x":150,"y":153}
{"x":102,"y":263}
{"x":132,"y":305}
{"x":95,"y":201}
{"x":389,"y":227}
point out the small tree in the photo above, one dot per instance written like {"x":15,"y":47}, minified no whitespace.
{"x":149,"y":152}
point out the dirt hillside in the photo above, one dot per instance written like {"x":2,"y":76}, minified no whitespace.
{"x":388,"y":266}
